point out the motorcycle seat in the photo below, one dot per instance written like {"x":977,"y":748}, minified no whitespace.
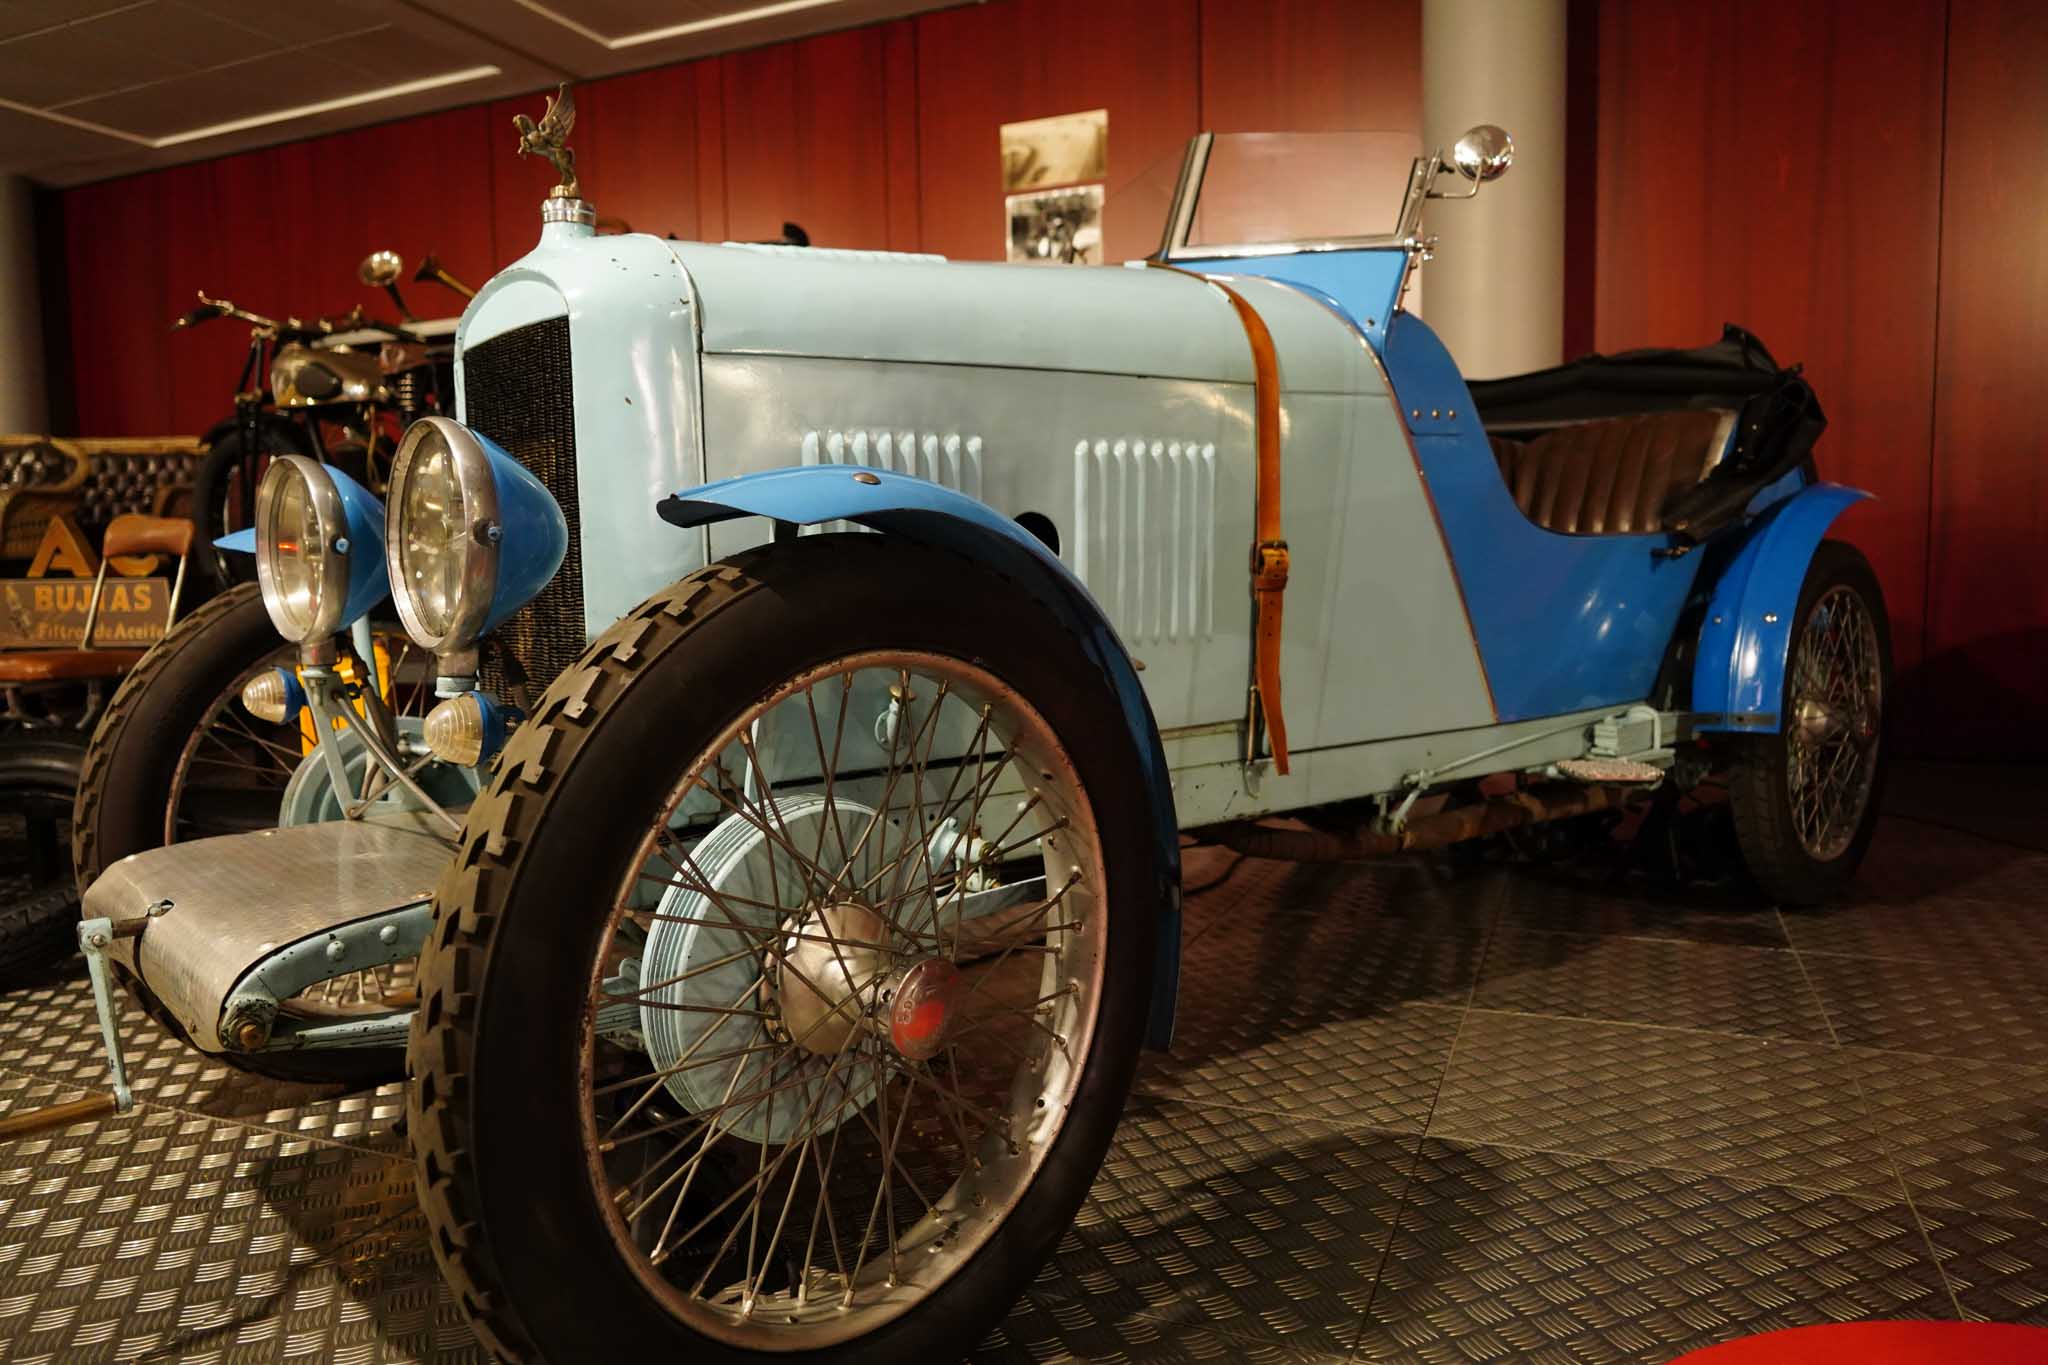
{"x":1614,"y":475}
{"x":64,"y":665}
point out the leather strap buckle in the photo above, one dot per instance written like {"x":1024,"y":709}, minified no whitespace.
{"x":1270,"y":565}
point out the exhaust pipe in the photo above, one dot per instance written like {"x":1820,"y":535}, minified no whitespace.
{"x":1532,"y":806}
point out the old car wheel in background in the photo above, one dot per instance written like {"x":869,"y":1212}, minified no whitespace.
{"x":38,"y":894}
{"x":178,"y":757}
{"x":791,"y":978}
{"x":1805,"y":800}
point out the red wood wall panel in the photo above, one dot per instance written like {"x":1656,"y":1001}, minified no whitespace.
{"x":1777,"y":166}
{"x":981,"y":66}
{"x":808,"y":139}
{"x":1986,"y":683}
{"x":1310,"y":66}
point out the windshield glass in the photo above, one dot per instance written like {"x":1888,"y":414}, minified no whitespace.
{"x":1260,"y":188}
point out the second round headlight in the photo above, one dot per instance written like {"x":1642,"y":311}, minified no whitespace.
{"x":470,"y":535}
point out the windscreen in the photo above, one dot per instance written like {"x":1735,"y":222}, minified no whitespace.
{"x":1300,"y":187}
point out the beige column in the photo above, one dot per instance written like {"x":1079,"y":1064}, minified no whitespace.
{"x":24,"y":398}
{"x":1495,"y":292}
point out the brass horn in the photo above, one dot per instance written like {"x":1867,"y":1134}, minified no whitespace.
{"x":430,"y":269}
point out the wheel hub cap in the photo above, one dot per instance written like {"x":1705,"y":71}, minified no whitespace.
{"x":921,"y":1008}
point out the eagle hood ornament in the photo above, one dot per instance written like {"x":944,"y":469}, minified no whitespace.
{"x":549,"y":140}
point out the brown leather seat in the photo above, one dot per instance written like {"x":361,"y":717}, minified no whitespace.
{"x":64,"y":665}
{"x":1613,"y":476}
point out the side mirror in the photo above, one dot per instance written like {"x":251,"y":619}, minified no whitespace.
{"x":1484,"y":153}
{"x":381,"y":268}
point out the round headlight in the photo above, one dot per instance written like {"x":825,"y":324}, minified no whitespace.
{"x":470,"y":536}
{"x":441,"y":541}
{"x":302,"y":559}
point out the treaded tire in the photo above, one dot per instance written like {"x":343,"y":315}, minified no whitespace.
{"x":1777,"y":862}
{"x":126,"y":786}
{"x":511,"y":1211}
{"x":38,"y":780}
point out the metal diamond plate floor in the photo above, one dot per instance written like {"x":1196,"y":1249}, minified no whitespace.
{"x":1506,"y":1114}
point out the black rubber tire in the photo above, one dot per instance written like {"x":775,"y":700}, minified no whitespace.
{"x":1776,"y":862}
{"x":126,"y":786}
{"x":38,"y":781}
{"x":512,"y":1215}
{"x":215,"y":569}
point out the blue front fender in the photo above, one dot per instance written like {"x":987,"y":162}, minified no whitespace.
{"x":897,"y":504}
{"x":1738,"y":678}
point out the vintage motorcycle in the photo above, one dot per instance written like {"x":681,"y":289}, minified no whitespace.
{"x":337,"y":388}
{"x":839,"y":646}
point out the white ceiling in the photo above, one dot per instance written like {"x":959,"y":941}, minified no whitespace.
{"x":95,"y":88}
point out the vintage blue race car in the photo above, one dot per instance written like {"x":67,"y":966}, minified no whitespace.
{"x":830,"y":653}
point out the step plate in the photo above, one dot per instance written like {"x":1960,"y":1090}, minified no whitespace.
{"x":238,"y":898}
{"x":1609,"y":770}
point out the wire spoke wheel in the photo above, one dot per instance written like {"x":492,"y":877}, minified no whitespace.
{"x":844,"y":1000}
{"x":1837,"y":700}
{"x":1805,"y":800}
{"x":788,"y":983}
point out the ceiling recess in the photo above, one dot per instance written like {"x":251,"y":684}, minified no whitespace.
{"x":97,"y":88}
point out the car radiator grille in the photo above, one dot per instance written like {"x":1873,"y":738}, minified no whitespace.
{"x":517,"y":391}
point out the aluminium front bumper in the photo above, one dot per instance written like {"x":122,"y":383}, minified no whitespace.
{"x":228,"y":923}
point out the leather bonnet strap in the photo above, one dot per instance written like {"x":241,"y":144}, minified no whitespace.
{"x":1269,"y":547}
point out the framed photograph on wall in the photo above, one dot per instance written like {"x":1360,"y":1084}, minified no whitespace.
{"x":1056,"y":227}
{"x":1053,"y":170}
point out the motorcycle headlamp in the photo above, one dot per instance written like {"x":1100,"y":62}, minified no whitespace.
{"x":470,"y":535}
{"x":319,"y":548}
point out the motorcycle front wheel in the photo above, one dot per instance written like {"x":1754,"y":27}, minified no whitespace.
{"x":789,"y":982}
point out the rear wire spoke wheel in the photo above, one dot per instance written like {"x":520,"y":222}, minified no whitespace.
{"x":794,"y":1016}
{"x":1806,"y":800}
{"x":176,"y":757}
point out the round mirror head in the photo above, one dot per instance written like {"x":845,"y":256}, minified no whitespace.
{"x":380,"y":268}
{"x":1484,"y":153}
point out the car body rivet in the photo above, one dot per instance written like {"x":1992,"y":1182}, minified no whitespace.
{"x":1434,"y":414}
{"x":1770,"y":618}
{"x":341,"y":545}
{"x":388,"y":934}
{"x":336,"y":950}
{"x":865,"y":477}
{"x":1417,"y":414}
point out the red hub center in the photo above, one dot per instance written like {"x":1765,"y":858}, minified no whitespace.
{"x":922,"y":1009}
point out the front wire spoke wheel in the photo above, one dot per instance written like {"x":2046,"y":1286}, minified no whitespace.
{"x":786,"y":989}
{"x":815,"y":1082}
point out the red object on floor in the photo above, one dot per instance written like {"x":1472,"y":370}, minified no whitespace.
{"x":1885,"y":1343}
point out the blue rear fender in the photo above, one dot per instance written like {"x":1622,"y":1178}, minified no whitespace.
{"x":900,"y":505}
{"x":1738,"y":676}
